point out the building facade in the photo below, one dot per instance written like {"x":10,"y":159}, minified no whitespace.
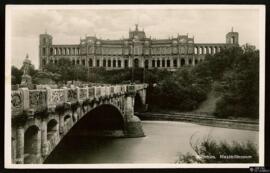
{"x":135,"y":51}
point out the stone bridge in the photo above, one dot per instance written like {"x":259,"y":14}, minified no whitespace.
{"x":42,"y":117}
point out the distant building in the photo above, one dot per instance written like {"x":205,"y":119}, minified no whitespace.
{"x":135,"y":51}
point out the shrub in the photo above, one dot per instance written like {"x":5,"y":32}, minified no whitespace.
{"x":211,"y":151}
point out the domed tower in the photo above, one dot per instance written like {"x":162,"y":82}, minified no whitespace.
{"x":137,"y":34}
{"x":26,"y":78}
{"x":45,"y":42}
{"x":232,"y":37}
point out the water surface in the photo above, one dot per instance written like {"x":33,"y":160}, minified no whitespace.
{"x":163,"y":142}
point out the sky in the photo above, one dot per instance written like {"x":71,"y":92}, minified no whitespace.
{"x":68,"y":25}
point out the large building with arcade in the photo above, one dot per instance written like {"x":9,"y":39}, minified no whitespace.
{"x":137,"y":50}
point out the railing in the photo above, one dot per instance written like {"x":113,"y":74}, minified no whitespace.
{"x":24,"y":99}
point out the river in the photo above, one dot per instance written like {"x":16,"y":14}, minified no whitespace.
{"x":163,"y":142}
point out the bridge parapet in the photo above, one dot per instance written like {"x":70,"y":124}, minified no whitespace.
{"x":41,"y":99}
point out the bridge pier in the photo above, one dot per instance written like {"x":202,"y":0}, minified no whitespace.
{"x":142,"y":94}
{"x":20,"y":145}
{"x":133,"y":123}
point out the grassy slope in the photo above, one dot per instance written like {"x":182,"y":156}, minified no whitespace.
{"x":209,"y":104}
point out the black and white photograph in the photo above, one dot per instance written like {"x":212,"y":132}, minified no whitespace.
{"x":134,"y":86}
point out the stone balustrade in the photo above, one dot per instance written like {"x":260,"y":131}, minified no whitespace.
{"x":42,"y":117}
{"x":46,"y":97}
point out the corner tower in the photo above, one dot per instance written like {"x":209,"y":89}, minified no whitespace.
{"x":45,"y":43}
{"x":232,"y":37}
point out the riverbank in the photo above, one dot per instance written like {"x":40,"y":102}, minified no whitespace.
{"x":201,"y":119}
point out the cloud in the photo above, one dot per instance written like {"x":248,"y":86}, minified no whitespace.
{"x":68,"y":25}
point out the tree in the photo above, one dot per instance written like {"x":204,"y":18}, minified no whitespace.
{"x":16,"y":75}
{"x":42,"y":77}
{"x":239,"y":86}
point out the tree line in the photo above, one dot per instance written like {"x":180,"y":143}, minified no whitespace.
{"x":233,"y":73}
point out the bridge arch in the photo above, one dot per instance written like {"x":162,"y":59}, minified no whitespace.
{"x":106,"y":117}
{"x":52,"y":128}
{"x":32,"y":144}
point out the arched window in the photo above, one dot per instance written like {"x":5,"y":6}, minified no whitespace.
{"x":73,"y":62}
{"x":43,"y":51}
{"x":190,"y":61}
{"x":158,"y":63}
{"x":233,"y":40}
{"x":83,"y":62}
{"x":195,"y":50}
{"x":52,"y":129}
{"x":44,"y":61}
{"x":119,"y":63}
{"x":175,"y":62}
{"x":210,"y":50}
{"x":51,"y":51}
{"x":126,"y":63}
{"x":136,"y":63}
{"x":104,"y":63}
{"x":168,"y":63}
{"x":90,"y":63}
{"x":114,"y":63}
{"x":153,"y":63}
{"x":196,"y":61}
{"x":146,"y":63}
{"x":78,"y":61}
{"x":163,"y":63}
{"x":97,"y":63}
{"x":183,"y":62}
{"x":109,"y":63}
{"x":214,"y":50}
{"x":204,"y":50}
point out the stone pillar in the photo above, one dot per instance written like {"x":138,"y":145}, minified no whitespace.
{"x":25,"y":93}
{"x":37,"y":152}
{"x":61,"y":124}
{"x":186,"y":61}
{"x":129,"y":107}
{"x":133,"y":123}
{"x":94,"y":61}
{"x":20,"y":145}
{"x":49,"y":93}
{"x":193,"y":61}
{"x":143,"y":95}
{"x":44,"y":142}
{"x":101,"y":61}
{"x":142,"y":61}
{"x":130,"y":62}
{"x":13,"y":150}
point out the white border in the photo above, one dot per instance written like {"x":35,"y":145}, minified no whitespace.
{"x":8,"y":50}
